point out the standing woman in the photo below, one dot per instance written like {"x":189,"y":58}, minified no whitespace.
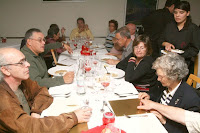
{"x":182,"y":34}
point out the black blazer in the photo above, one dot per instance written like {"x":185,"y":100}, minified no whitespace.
{"x":186,"y":98}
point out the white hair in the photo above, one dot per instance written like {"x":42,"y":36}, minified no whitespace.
{"x":173,"y":65}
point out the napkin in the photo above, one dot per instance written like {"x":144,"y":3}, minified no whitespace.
{"x":125,"y":88}
{"x":98,"y":129}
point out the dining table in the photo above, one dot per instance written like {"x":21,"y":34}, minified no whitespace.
{"x":120,"y":97}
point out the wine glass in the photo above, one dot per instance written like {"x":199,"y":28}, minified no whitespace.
{"x":88,"y":66}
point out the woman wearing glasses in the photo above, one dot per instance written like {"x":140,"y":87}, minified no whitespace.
{"x":137,"y":66}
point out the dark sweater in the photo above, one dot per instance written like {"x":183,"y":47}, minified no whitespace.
{"x":140,"y":75}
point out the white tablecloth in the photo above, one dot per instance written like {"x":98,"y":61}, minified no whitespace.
{"x":60,"y":105}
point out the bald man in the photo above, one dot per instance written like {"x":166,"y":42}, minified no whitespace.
{"x":23,"y":100}
{"x":132,"y":28}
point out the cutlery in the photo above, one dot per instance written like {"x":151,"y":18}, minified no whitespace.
{"x":102,"y":109}
{"x":61,"y":96}
{"x":107,"y":70}
{"x":128,"y":116}
{"x":124,"y":94}
{"x":108,"y":107}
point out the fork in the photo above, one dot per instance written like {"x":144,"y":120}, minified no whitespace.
{"x":107,"y":70}
{"x":128,"y":116}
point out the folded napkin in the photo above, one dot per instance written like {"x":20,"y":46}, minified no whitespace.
{"x":98,"y":129}
{"x":125,"y":88}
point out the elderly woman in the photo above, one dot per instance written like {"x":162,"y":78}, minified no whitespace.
{"x":171,"y":69}
{"x":137,"y":66}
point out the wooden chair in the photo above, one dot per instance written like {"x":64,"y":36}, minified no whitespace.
{"x":54,"y":56}
{"x":195,"y":69}
{"x":192,"y":80}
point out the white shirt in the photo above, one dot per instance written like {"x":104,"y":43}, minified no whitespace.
{"x":192,"y":121}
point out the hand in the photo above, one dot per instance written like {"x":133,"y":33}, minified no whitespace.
{"x":168,"y":46}
{"x":86,"y":27}
{"x":35,"y":115}
{"x":143,"y":95}
{"x":68,"y":48}
{"x":63,"y":31}
{"x":146,"y":104}
{"x":112,"y":61}
{"x":133,"y":58}
{"x":83,"y":115}
{"x":68,"y":77}
{"x":81,"y":30}
{"x":159,"y":116}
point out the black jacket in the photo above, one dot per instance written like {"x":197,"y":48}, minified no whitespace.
{"x":186,"y":98}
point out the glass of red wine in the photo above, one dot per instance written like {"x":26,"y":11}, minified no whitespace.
{"x":88,"y":66}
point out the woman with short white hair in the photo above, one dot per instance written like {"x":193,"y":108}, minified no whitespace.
{"x":171,"y":69}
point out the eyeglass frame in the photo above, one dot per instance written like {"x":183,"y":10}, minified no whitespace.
{"x":22,"y":63}
{"x":39,"y":40}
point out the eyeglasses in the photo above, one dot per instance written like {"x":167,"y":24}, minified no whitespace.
{"x":21,"y":63}
{"x":139,"y":48}
{"x":39,"y":40}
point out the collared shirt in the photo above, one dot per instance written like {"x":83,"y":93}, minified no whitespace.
{"x":133,"y":37}
{"x":86,"y":33}
{"x":127,"y":50}
{"x":167,"y":96}
{"x":192,"y":121}
{"x":175,"y":89}
{"x":22,"y":100}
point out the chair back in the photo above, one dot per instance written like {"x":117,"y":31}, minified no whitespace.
{"x":54,"y":56}
{"x":193,"y":80}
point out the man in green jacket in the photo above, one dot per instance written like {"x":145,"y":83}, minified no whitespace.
{"x":34,"y":50}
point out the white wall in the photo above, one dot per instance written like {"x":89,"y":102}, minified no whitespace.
{"x":194,"y":7}
{"x":17,"y":16}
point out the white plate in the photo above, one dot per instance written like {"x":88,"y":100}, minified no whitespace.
{"x":53,"y":70}
{"x":116,"y":73}
{"x":177,"y":51}
{"x":104,"y":57}
{"x":173,"y":50}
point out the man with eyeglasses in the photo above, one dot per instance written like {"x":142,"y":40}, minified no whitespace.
{"x":23,"y":100}
{"x":123,"y":39}
{"x":34,"y":50}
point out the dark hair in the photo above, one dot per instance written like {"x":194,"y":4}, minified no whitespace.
{"x":168,"y":3}
{"x":52,"y":31}
{"x":184,"y":5}
{"x":82,"y":19}
{"x":53,"y":26}
{"x":30,"y":32}
{"x":147,"y":43}
{"x":124,"y":32}
{"x":114,"y":22}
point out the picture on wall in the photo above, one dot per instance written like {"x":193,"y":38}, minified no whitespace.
{"x":136,"y":10}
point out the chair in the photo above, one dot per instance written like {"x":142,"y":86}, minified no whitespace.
{"x":193,"y":80}
{"x":54,"y":56}
{"x":195,"y":69}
